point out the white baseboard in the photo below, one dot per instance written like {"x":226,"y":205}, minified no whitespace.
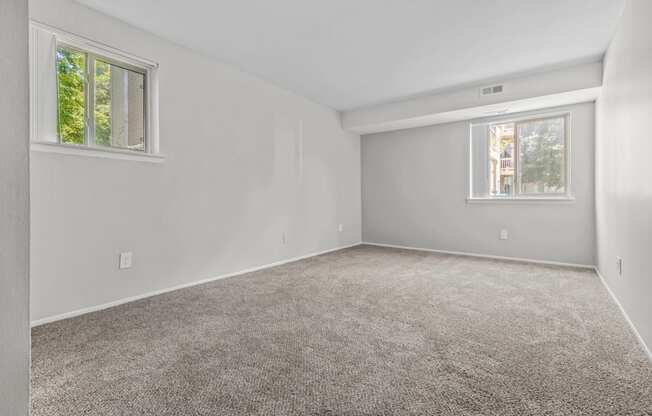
{"x":622,"y":310}
{"x":96,"y":308}
{"x":554,"y":263}
{"x":484,"y":256}
{"x":83,"y":311}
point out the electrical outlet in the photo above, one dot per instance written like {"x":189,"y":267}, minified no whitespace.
{"x":504,"y":235}
{"x":126,"y":260}
{"x":284,"y":238}
{"x":619,"y":265}
{"x":340,"y":228}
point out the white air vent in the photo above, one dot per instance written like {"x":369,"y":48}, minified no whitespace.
{"x":491,"y":90}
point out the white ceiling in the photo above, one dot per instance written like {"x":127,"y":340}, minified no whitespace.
{"x":352,"y":53}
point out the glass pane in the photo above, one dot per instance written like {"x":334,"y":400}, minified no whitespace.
{"x":71,"y":95}
{"x":102,"y":103}
{"x":541,"y":156}
{"x":119,"y":107}
{"x":501,"y":159}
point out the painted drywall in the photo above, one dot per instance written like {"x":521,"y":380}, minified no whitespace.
{"x":246,"y":162}
{"x":561,"y":86}
{"x":14,"y":210}
{"x":414,"y":190}
{"x":623,"y":168}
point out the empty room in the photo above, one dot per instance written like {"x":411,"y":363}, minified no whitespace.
{"x":345,"y":208}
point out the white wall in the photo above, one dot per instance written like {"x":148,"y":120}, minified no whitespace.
{"x":414,"y":190}
{"x":624,"y":167}
{"x":236,"y":177}
{"x":552,"y":88}
{"x":14,"y":210}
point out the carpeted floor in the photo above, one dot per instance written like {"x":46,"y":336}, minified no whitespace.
{"x":362,"y":331}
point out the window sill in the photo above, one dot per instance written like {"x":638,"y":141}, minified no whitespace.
{"x":522,"y":200}
{"x":79,"y":150}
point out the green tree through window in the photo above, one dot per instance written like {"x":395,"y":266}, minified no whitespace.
{"x":102,"y":103}
{"x":541,"y":144}
{"x":105,"y":95}
{"x":71,"y":80}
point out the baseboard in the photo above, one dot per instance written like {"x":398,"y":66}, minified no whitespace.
{"x":622,"y":310}
{"x":524,"y":260}
{"x":122,"y":301}
{"x":484,"y":256}
{"x":103,"y":306}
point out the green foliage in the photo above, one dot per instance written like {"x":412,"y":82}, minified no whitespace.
{"x":71,"y":78}
{"x":71,"y":70}
{"x":102,"y":103}
{"x":541,"y":148}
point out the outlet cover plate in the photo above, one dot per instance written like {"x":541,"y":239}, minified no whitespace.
{"x":126,"y":260}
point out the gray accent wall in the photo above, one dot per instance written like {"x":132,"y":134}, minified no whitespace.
{"x":415,"y":186}
{"x":624,"y":166}
{"x":14,"y":210}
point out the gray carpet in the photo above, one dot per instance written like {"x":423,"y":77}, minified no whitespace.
{"x":362,"y":331}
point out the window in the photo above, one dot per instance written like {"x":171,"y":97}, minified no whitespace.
{"x":524,"y":158}
{"x":99,"y":103}
{"x":90,"y":98}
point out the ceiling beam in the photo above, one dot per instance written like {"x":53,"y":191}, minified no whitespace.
{"x":579,"y":83}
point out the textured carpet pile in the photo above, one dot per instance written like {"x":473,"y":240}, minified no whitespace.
{"x":362,"y":331}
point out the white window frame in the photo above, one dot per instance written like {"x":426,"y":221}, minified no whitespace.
{"x":566,"y":196}
{"x":111,"y":55}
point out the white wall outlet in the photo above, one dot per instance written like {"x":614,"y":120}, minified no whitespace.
{"x":619,"y":265}
{"x":503,"y":234}
{"x":340,"y":228}
{"x":126,"y":260}
{"x":284,"y":238}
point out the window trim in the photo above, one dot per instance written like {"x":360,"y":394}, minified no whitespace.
{"x":566,"y":196}
{"x":97,"y":50}
{"x":97,"y":151}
